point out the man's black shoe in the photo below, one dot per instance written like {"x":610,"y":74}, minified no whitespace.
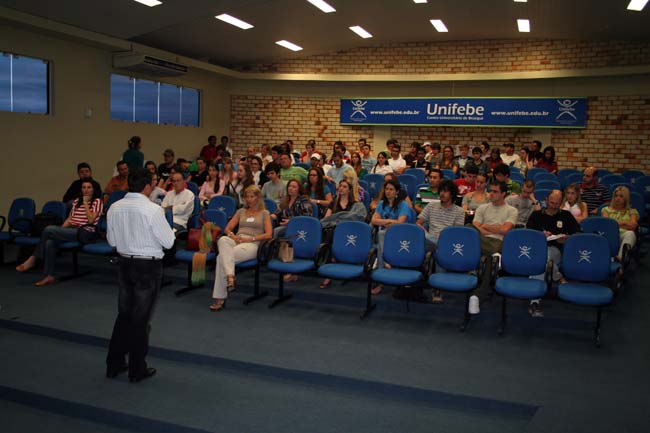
{"x":150,"y":371}
{"x":112,"y":372}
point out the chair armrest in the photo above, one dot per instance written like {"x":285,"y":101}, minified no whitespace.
{"x":370,"y":261}
{"x":323,"y":254}
{"x":428,"y":265}
{"x":272,"y":249}
{"x":263,"y":251}
{"x":483,"y":267}
{"x":493,"y":268}
{"x":2,"y":224}
{"x":626,"y":256}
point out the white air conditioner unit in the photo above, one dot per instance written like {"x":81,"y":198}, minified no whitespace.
{"x":149,"y":65}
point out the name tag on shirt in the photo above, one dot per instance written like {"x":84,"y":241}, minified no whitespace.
{"x":250,"y":219}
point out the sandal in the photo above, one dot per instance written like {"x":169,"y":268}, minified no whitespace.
{"x":289,"y":278}
{"x":219,"y":304}
{"x":326,"y":282}
{"x":230,"y":283}
{"x":436,"y":298}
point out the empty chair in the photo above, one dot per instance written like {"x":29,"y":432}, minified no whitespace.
{"x":544,"y":175}
{"x":573,"y":178}
{"x":419,"y":174}
{"x":459,"y":253}
{"x":585,"y":264}
{"x":18,"y":222}
{"x":375,"y":183}
{"x":223,"y":203}
{"x":524,"y":253}
{"x":531,"y":172}
{"x":632,"y":175}
{"x":607,"y":228}
{"x":56,"y":210}
{"x":410,"y":183}
{"x":612,"y":179}
{"x":547,"y":184}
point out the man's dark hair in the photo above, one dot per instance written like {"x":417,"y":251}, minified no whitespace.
{"x":139,"y":179}
{"x":211,"y":137}
{"x":272,"y":166}
{"x":509,"y":145}
{"x":529,"y":183}
{"x":120,"y":162}
{"x":436,"y":170}
{"x":502,"y":186}
{"x":224,"y":136}
{"x":471,"y":169}
{"x":180,"y":161}
{"x":392,"y":142}
{"x":449,"y":185}
{"x":436,"y":146}
{"x":83,"y":165}
{"x":502,"y":169}
{"x":277,"y":149}
{"x":476,"y":149}
{"x":337,"y":153}
{"x":486,"y":144}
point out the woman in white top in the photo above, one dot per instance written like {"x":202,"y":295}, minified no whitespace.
{"x":382,"y":166}
{"x":574,"y":204}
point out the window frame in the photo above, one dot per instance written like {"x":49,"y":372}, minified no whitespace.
{"x":49,"y":106}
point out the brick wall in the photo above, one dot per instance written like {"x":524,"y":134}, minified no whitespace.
{"x":467,"y":57}
{"x":617,"y":136}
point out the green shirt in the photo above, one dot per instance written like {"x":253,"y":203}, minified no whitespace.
{"x":293,"y":172}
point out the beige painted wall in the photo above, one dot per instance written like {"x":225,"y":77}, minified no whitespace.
{"x":40,"y":153}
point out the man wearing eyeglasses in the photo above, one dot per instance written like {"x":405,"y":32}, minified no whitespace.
{"x":180,"y":201}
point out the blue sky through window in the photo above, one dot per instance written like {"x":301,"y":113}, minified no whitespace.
{"x":23,"y":84}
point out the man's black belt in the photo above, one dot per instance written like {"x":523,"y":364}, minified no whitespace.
{"x":129,"y":256}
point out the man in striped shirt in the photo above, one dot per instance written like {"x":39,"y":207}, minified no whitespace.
{"x":593,"y":193}
{"x":440,"y":214}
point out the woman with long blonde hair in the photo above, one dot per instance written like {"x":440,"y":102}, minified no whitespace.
{"x":626,"y":217}
{"x":573,"y":202}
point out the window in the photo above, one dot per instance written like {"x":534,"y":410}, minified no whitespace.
{"x":136,"y":100}
{"x":24,"y":84}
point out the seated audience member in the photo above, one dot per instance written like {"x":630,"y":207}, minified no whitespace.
{"x":525,"y":202}
{"x":626,"y":217}
{"x":472,"y":200}
{"x":403,"y":195}
{"x":412,"y":154}
{"x":258,"y":174}
{"x":150,"y":166}
{"x":462,"y":159}
{"x":310,"y":148}
{"x":86,"y":210}
{"x":275,"y":188}
{"x":345,"y":207}
{"x":209,"y":151}
{"x":447,"y":161}
{"x":477,"y":162}
{"x":353,"y":180}
{"x":133,"y":156}
{"x":244,"y":179}
{"x":367,"y":161}
{"x":493,"y":220}
{"x":335,"y":174}
{"x":318,"y":191}
{"x":468,"y":182}
{"x":485,"y":150}
{"x":183,"y":167}
{"x":318,"y":161}
{"x":419,"y":161}
{"x":276,"y":153}
{"x":502,"y":174}
{"x":227,"y":176}
{"x":534,"y":152}
{"x":493,"y":161}
{"x":253,"y":225}
{"x":181,"y":202}
{"x":74,"y":190}
{"x":553,"y":221}
{"x":164,"y":169}
{"x":157,"y":193}
{"x":523,"y":164}
{"x":201,"y":173}
{"x":509,"y":157}
{"x":390,"y":210}
{"x":573,"y":202}
{"x":119,"y":182}
{"x":430,"y":193}
{"x":355,"y":163}
{"x":434,"y":155}
{"x":265,"y":155}
{"x":382,"y":166}
{"x":592,"y":192}
{"x":210,"y":186}
{"x":341,"y":148}
{"x":547,"y":161}
{"x":288,"y":171}
{"x":397,"y":163}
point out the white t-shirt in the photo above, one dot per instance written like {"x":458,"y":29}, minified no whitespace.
{"x":183,"y":205}
{"x":397,"y":164}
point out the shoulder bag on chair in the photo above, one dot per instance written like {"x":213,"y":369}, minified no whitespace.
{"x":285,"y":250}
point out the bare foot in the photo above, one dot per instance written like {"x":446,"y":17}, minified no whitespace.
{"x":376,"y":290}
{"x":27,"y":264}
{"x":45,"y":281}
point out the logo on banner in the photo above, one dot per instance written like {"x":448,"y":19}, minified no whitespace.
{"x":358,"y":108}
{"x":566,"y":109}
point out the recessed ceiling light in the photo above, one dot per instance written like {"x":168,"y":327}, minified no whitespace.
{"x":637,"y":5}
{"x":150,"y":3}
{"x":234,"y":21}
{"x":361,"y":32}
{"x":521,"y":1}
{"x":419,"y":1}
{"x":439,"y":25}
{"x":289,"y":45}
{"x":320,"y":4}
{"x":524,"y":26}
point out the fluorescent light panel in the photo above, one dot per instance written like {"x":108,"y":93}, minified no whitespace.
{"x":419,"y":1}
{"x":361,"y":32}
{"x":150,"y":3}
{"x":524,"y":26}
{"x":234,"y":21}
{"x":637,"y":5}
{"x":521,"y":1}
{"x":320,"y":4}
{"x":439,"y":25}
{"x":289,"y":45}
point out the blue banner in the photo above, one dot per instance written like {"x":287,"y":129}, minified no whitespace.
{"x":562,"y":112}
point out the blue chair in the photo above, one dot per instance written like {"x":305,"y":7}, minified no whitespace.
{"x":410,"y":183}
{"x":305,"y":235}
{"x":216,"y":217}
{"x":573,"y":178}
{"x":632,"y":175}
{"x":193,"y":187}
{"x":517,"y":177}
{"x":270,"y":205}
{"x":404,"y":251}
{"x":608,"y":228}
{"x":547,"y":184}
{"x":602,"y":173}
{"x":524,"y":253}
{"x":223,"y":203}
{"x":544,"y":175}
{"x":531,"y":172}
{"x":375,"y":183}
{"x":364,"y":184}
{"x":563,"y":173}
{"x":448,"y":173}
{"x":351,"y":254}
{"x":419,"y":174}
{"x":55,"y":208}
{"x":541,"y":195}
{"x":612,"y":179}
{"x":18,"y":222}
{"x":585,"y":263}
{"x":459,"y":253}
{"x":514,"y":170}
{"x":304,"y":165}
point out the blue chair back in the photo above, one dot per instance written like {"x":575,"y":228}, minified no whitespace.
{"x":563,"y":174}
{"x":544,"y":175}
{"x":448,"y":173}
{"x":612,"y":179}
{"x":410,"y":183}
{"x":270,"y":205}
{"x":195,"y":217}
{"x":541,"y":194}
{"x":363,"y":184}
{"x":21,"y":214}
{"x":54,"y":207}
{"x":602,"y":173}
{"x":637,"y":202}
{"x":605,"y":227}
{"x":332,"y":187}
{"x":419,"y":174}
{"x":547,"y":184}
{"x":193,"y":187}
{"x":642,"y":186}
{"x":115,"y":196}
{"x":411,"y":218}
{"x":585,"y":257}
{"x":216,"y":217}
{"x":530,"y":174}
{"x":223,"y":203}
{"x":632,"y":175}
{"x":404,"y":246}
{"x":525,"y":252}
{"x":352,"y":242}
{"x":514,"y":170}
{"x":375,"y":183}
{"x":613,"y":186}
{"x":517,"y":177}
{"x":169,"y":216}
{"x":459,"y":249}
{"x":573,"y":178}
{"x":302,"y":165}
{"x":305,"y":234}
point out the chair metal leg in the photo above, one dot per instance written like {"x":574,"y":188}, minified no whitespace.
{"x":281,"y":296}
{"x":467,"y":316}
{"x":369,"y":305}
{"x":504,"y":316}
{"x":256,"y":290}
{"x":75,"y":269}
{"x":597,"y":328}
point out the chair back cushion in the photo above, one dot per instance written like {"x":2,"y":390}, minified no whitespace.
{"x":404,"y":246}
{"x":585,"y":257}
{"x":305,"y":234}
{"x":606,"y":227}
{"x":524,"y":252}
{"x":352,"y":241}
{"x":459,"y":249}
{"x":21,"y":213}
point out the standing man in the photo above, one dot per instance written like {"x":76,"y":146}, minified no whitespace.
{"x":137,"y":228}
{"x":209,"y":151}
